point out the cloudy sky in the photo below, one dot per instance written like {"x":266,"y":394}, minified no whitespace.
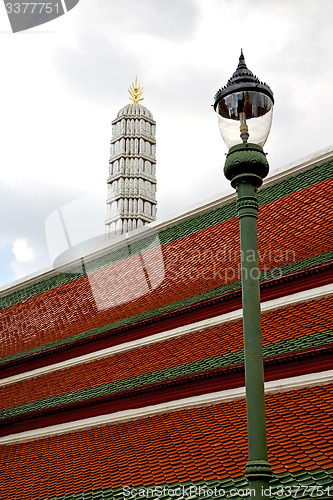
{"x":63,"y":82}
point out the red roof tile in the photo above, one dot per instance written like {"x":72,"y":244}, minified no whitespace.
{"x":294,"y":322}
{"x":189,"y":270}
{"x":129,"y":452}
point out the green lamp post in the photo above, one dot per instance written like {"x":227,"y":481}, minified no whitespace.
{"x":244,"y":107}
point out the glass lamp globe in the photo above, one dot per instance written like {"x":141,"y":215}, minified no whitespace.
{"x":244,"y":108}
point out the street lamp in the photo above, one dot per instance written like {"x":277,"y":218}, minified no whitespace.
{"x":244,"y":107}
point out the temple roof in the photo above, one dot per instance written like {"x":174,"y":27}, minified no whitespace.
{"x":134,"y":110}
{"x":201,"y":446}
{"x":301,"y":327}
{"x":125,"y":367}
{"x":189,"y":261}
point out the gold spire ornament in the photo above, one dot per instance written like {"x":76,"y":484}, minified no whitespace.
{"x":135,"y":91}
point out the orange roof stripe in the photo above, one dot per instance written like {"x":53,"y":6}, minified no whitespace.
{"x":193,"y":264}
{"x":193,"y":444}
{"x":293,"y":322}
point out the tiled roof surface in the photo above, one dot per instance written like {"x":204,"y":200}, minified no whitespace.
{"x":202,"y":445}
{"x":197,"y":263}
{"x":292,"y":328}
{"x":267,"y":194}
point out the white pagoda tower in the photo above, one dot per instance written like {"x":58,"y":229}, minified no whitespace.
{"x":131,"y":198}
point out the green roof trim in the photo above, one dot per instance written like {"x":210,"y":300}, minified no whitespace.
{"x":266,"y":195}
{"x":37,"y":288}
{"x":174,"y":306}
{"x":293,"y":184}
{"x":302,"y":484}
{"x":221,"y":361}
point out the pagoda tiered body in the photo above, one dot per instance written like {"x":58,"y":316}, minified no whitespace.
{"x":131,"y":199}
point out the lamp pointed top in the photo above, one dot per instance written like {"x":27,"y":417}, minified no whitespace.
{"x":241,"y":60}
{"x":242,"y":70}
{"x":242,"y":79}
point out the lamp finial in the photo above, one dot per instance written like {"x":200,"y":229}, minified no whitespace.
{"x":241,"y":63}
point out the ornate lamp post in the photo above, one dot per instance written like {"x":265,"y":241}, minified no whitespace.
{"x":244,"y":107}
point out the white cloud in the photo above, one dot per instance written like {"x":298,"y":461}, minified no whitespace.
{"x":22,"y":251}
{"x":25,"y":261}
